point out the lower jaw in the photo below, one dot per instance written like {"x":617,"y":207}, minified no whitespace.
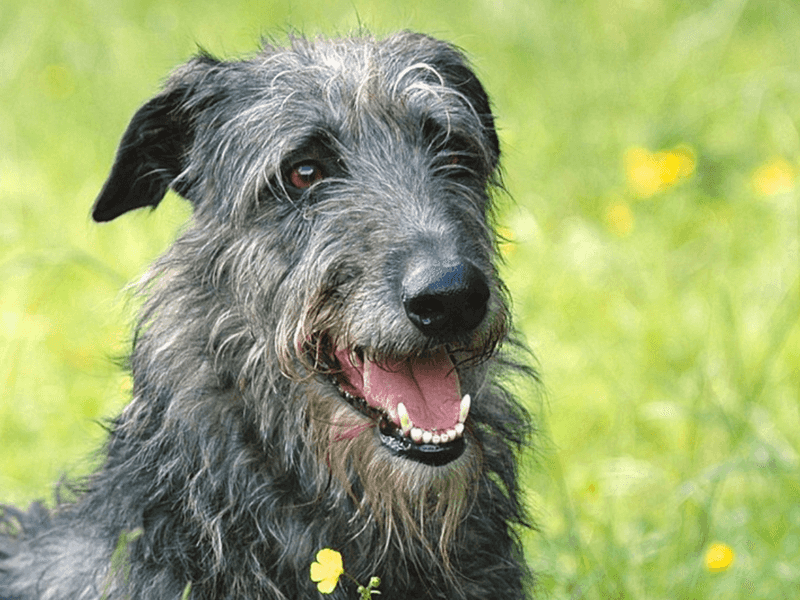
{"x":429,"y":454}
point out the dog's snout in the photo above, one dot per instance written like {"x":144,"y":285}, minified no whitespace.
{"x":445,"y":299}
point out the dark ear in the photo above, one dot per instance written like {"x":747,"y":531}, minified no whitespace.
{"x":463,"y":78}
{"x":149,"y":158}
{"x":451,"y":63}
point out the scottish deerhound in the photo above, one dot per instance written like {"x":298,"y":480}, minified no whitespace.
{"x":316,"y":363}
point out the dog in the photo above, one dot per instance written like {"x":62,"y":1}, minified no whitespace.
{"x":317,"y":363}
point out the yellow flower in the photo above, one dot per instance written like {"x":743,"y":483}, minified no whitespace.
{"x":719,"y":557}
{"x":507,"y":246}
{"x":619,"y":218}
{"x":649,"y":172}
{"x":641,"y":170}
{"x":327,"y":570}
{"x":774,"y":177}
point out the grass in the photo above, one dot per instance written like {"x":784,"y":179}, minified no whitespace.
{"x":652,"y":152}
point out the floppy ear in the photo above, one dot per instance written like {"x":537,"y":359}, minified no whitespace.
{"x":149,"y":158}
{"x":460,"y":76}
{"x":451,"y":63}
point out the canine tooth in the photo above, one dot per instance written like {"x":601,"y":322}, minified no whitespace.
{"x":466,"y":401}
{"x":405,"y":420}
{"x":459,"y":429}
{"x":416,"y":434}
{"x":427,"y":436}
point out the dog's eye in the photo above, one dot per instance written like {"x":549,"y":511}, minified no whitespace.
{"x":305,"y":174}
{"x":463,"y":162}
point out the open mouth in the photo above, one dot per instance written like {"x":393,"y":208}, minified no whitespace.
{"x":416,"y":402}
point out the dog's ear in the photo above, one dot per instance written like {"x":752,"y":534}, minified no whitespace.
{"x":149,"y":158}
{"x":452,"y":65}
{"x":155,"y":147}
{"x":458,"y":74}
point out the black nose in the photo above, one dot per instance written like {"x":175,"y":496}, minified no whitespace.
{"x":445,"y":299}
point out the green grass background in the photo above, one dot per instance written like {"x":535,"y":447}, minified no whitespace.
{"x":665,"y":326}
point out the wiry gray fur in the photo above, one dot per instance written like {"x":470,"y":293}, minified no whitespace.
{"x":228,"y":463}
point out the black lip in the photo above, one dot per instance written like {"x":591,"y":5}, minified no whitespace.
{"x":434,"y":455}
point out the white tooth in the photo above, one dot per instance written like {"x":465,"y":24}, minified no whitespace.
{"x":451,"y":434}
{"x":465,"y":404}
{"x":459,"y":429}
{"x":416,"y":434}
{"x":444,"y":438}
{"x":405,"y":421}
{"x":427,"y":436}
{"x":436,"y":439}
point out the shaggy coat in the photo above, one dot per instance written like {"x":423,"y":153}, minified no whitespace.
{"x":340,"y":254}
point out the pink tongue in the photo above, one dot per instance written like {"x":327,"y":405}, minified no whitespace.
{"x":428,"y":386}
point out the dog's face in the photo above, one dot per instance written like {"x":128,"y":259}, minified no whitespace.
{"x":341,"y":203}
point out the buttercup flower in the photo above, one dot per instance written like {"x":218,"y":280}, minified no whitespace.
{"x":326,"y":570}
{"x":718,"y":557}
{"x":329,"y":567}
{"x":619,"y":218}
{"x":650,"y":172}
{"x":775,"y":177}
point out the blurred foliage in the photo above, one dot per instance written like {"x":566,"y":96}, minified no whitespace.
{"x":651,"y":157}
